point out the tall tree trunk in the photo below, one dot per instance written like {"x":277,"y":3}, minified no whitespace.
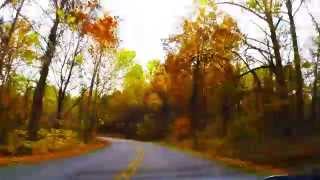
{"x":281,"y":84}
{"x":314,"y":102}
{"x":280,"y":77}
{"x":194,"y":101}
{"x":297,"y":64}
{"x":37,"y":104}
{"x":90,"y":115}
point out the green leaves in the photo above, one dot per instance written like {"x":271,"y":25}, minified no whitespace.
{"x":124,"y":58}
{"x":79,"y":59}
{"x":203,"y":2}
{"x":135,"y":73}
{"x":252,"y":4}
{"x":306,"y":65}
{"x":32,"y":38}
{"x":153,"y":66}
{"x":60,"y":13}
{"x":28,"y":56}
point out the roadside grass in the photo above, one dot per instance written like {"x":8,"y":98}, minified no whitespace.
{"x":76,"y":150}
{"x":275,"y":157}
{"x":225,"y":162}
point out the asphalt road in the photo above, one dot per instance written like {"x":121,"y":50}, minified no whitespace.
{"x":126,"y":159}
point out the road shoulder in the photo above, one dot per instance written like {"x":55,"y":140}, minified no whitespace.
{"x":225,"y":161}
{"x":76,"y":151}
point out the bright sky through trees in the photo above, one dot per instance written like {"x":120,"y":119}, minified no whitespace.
{"x":145,"y":22}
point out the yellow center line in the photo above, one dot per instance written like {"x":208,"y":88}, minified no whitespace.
{"x":132,"y":166}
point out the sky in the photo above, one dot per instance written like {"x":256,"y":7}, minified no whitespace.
{"x":145,"y":22}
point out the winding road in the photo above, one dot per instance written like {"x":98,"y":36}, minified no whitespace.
{"x":126,"y":159}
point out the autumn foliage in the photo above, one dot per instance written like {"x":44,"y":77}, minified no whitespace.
{"x":181,"y":128}
{"x":102,"y":30}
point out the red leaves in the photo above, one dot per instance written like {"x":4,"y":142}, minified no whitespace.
{"x":102,"y":30}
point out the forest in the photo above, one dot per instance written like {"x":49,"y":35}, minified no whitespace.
{"x":65,"y":79}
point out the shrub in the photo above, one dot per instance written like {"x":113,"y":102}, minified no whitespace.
{"x":16,"y":140}
{"x":56,"y":140}
{"x":50,"y":140}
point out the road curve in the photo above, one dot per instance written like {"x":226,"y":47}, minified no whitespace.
{"x":126,"y":159}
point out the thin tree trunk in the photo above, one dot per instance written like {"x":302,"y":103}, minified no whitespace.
{"x":91,"y":120}
{"x":63,"y":88}
{"x":314,"y":102}
{"x":297,"y":64}
{"x":6,"y":45}
{"x":60,"y":100}
{"x":281,"y":84}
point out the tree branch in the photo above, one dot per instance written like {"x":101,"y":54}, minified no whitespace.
{"x":245,"y":8}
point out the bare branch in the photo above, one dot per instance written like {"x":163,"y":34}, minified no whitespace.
{"x":245,"y":8}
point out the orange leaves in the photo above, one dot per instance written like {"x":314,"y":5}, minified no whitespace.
{"x":93,"y":4}
{"x":79,"y":16}
{"x":103,"y":30}
{"x":82,"y":18}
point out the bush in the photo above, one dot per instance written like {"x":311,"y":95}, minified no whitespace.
{"x":55,"y":140}
{"x":15,"y":142}
{"x":50,"y":140}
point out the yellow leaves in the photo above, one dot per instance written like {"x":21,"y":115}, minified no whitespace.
{"x":207,"y":42}
{"x":28,"y":56}
{"x":273,"y":6}
{"x":228,"y":22}
{"x":23,"y":41}
{"x":15,"y":2}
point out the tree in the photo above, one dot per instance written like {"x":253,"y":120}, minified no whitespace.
{"x":61,"y":14}
{"x":37,"y":104}
{"x":297,"y":63}
{"x":269,"y":12}
{"x":204,"y":46}
{"x":6,"y":40}
{"x":103,"y":32}
{"x":72,"y":58}
{"x":316,"y":54}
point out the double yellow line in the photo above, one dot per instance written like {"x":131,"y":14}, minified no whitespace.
{"x":133,"y":165}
